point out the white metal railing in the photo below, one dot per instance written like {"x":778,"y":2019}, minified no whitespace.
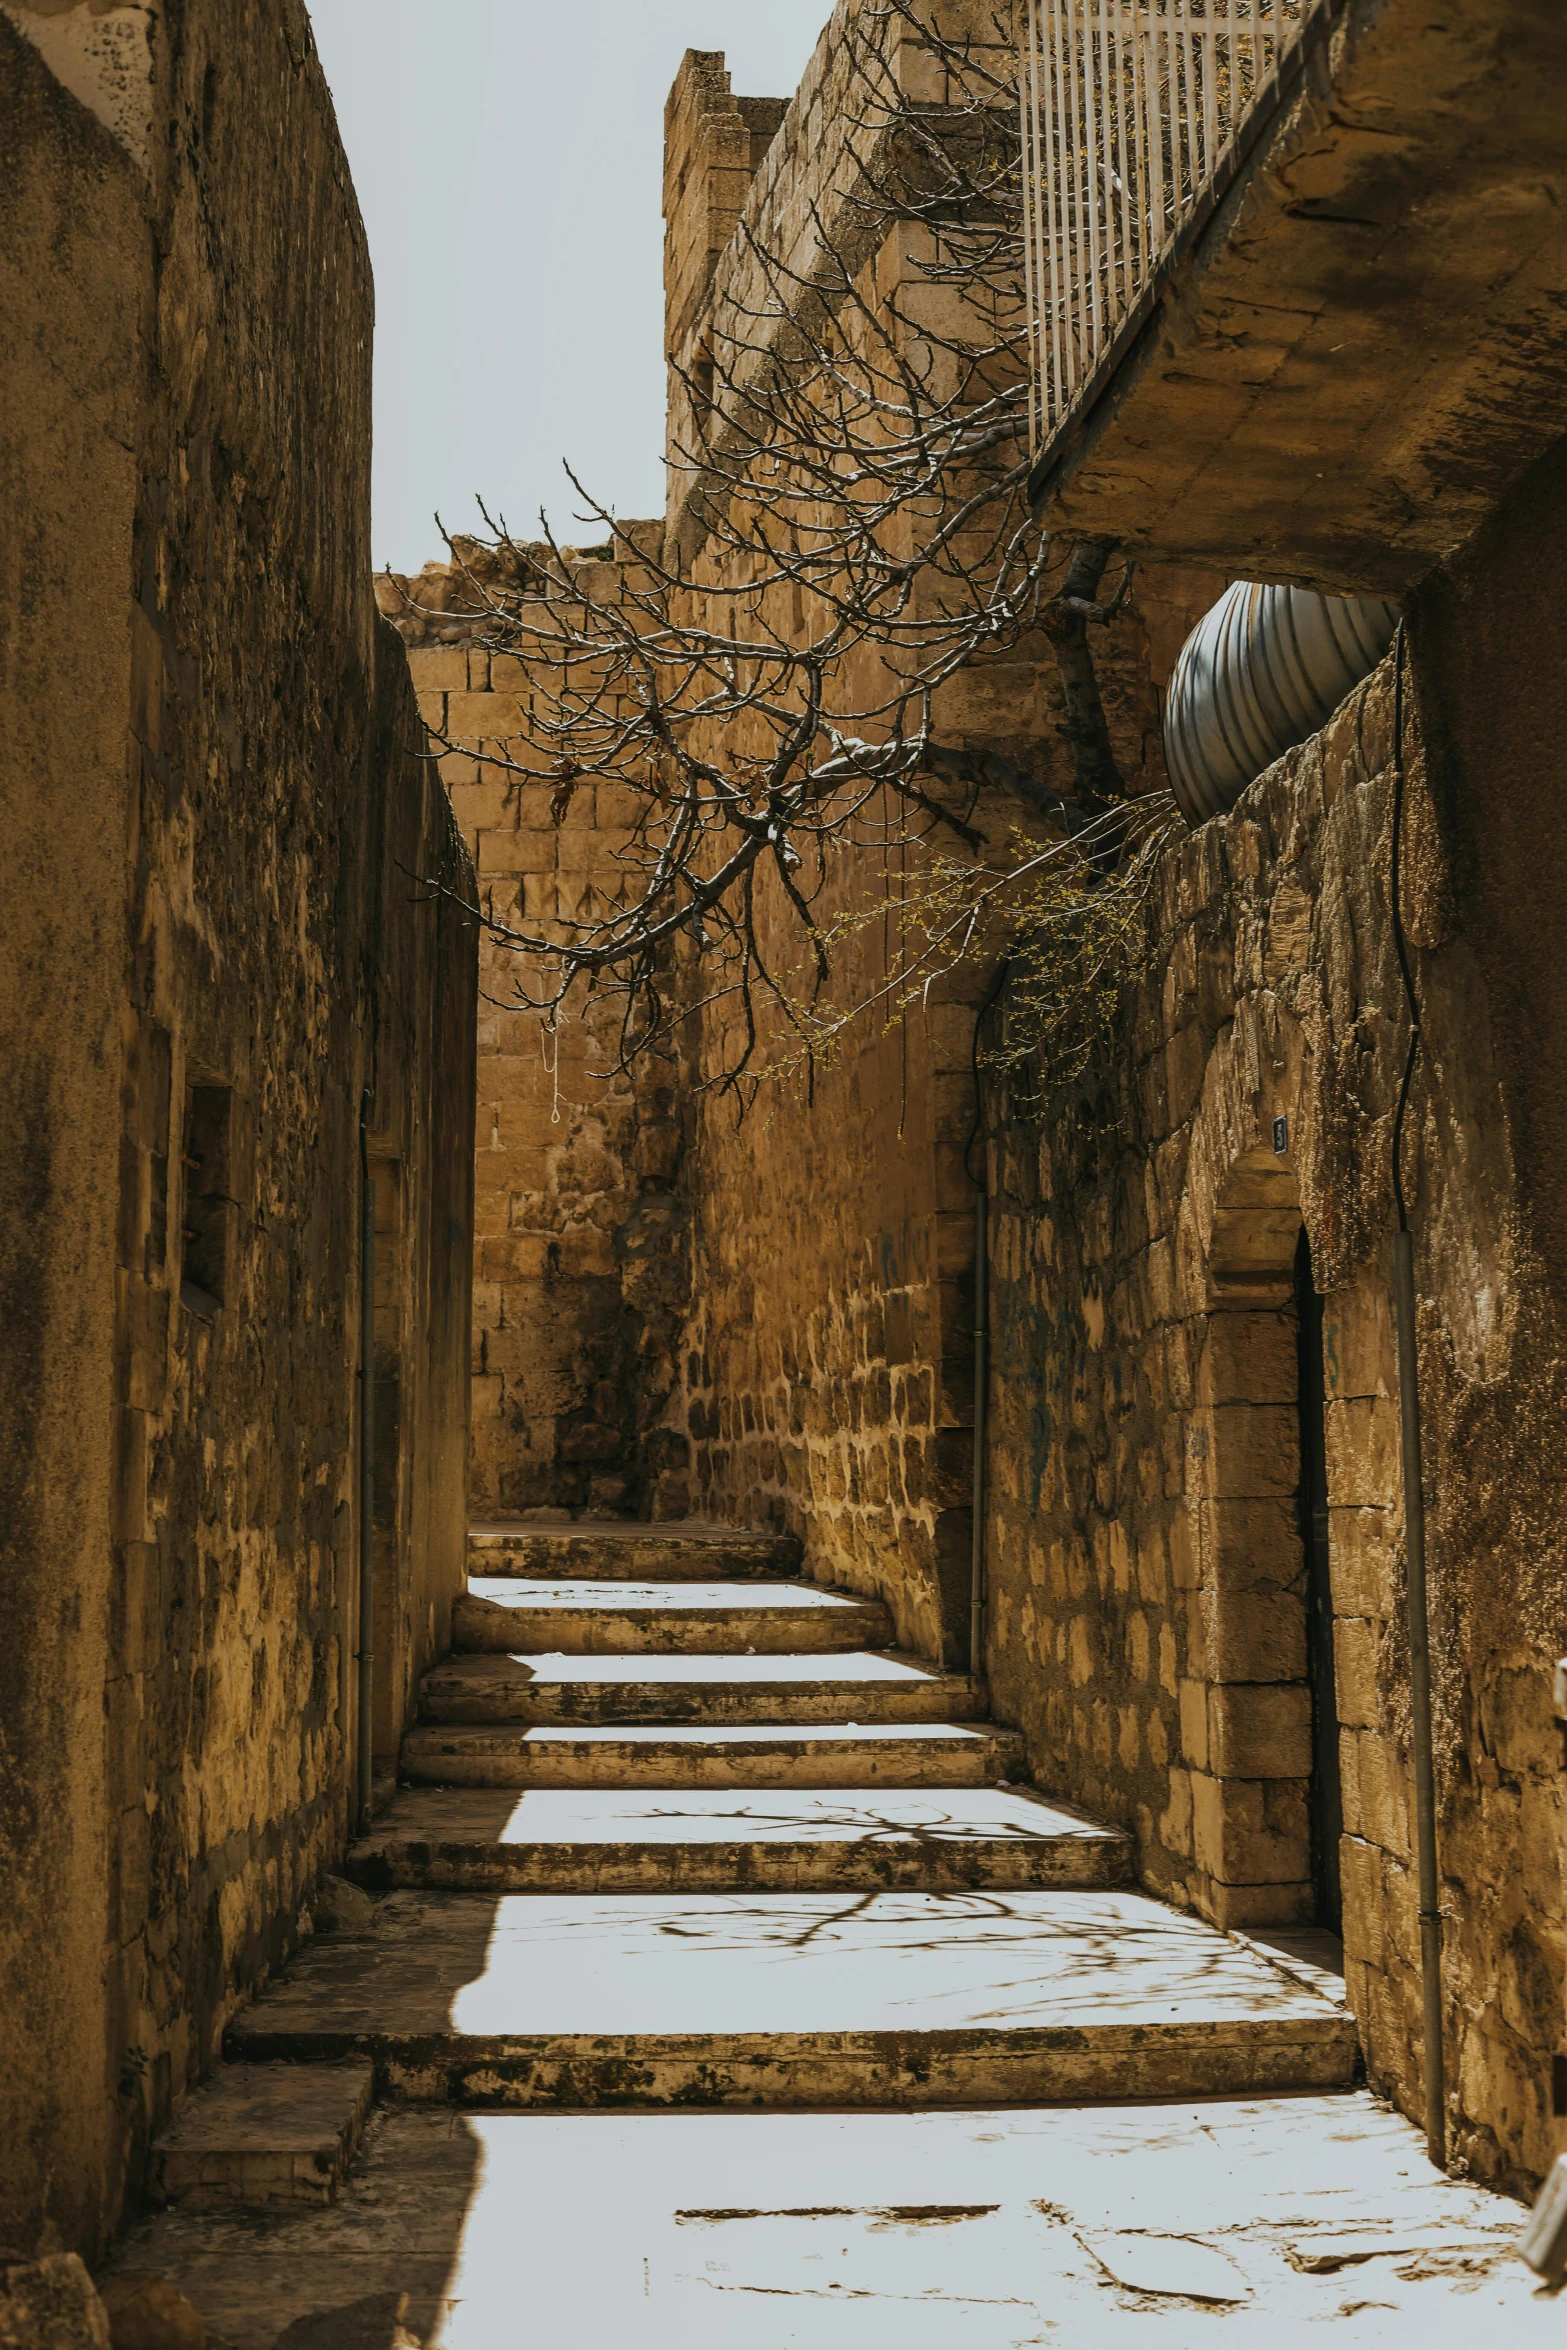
{"x":1130,"y":110}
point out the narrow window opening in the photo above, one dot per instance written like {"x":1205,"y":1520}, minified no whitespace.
{"x":1327,"y":1808}
{"x":209,"y":1202}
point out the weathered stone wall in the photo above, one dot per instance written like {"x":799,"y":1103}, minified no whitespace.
{"x":581,"y":1250}
{"x":828,"y":1379}
{"x":212,"y":802}
{"x":73,"y":244}
{"x":829,"y":1382}
{"x":1148,"y":1623}
{"x":714,"y":143}
{"x":1147,"y":1563}
{"x":1487,"y":639}
{"x":802,"y":214}
{"x":828,"y":1374}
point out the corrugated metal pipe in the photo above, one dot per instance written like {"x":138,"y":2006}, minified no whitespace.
{"x":1257,"y":675}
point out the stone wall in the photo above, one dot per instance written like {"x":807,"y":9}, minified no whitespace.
{"x":73,"y":240}
{"x":1147,"y":1563}
{"x":1487,"y":643}
{"x":714,"y":143}
{"x":828,"y":1380}
{"x":828,"y":1373}
{"x":1148,"y":1623}
{"x":212,"y":801}
{"x":580,"y":1274}
{"x":803,"y":214}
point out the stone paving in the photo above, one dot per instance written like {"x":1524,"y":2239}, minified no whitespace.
{"x":974,"y":2230}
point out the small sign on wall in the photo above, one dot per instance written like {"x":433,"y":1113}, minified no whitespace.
{"x":1281,"y":1137}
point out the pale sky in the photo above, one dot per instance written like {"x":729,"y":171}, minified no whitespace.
{"x":508,"y":159}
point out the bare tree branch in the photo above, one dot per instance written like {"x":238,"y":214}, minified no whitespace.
{"x":855,"y":533}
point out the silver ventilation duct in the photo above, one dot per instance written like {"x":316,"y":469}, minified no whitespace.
{"x":1257,"y":675}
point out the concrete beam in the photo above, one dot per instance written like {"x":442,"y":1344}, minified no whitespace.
{"x":1366,"y":346}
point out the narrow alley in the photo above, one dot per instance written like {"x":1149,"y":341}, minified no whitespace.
{"x":783,"y":1296}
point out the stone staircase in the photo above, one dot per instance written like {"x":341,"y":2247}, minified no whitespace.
{"x":679,"y":1828}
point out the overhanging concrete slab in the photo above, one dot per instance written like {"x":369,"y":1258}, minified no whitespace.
{"x":1366,"y":346}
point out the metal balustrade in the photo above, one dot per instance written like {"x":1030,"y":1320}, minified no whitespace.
{"x":1133,"y":114}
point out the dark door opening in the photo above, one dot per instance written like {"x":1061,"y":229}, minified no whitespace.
{"x":1327,"y":1807}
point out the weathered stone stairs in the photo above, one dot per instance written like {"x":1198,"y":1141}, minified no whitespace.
{"x":678,"y":1828}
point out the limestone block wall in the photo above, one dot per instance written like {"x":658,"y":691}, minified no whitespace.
{"x":828,"y":1382}
{"x":73,"y":238}
{"x":217,"y":975}
{"x":805,"y":186}
{"x":828,"y":1372}
{"x":1149,"y":1589}
{"x":713,"y":144}
{"x":1487,"y":639}
{"x":1146,"y":1552}
{"x":581,"y":1260}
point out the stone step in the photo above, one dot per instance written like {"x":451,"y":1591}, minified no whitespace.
{"x":819,"y":1755}
{"x":685,"y":1552}
{"x":629,"y":1841}
{"x":860,"y":1686}
{"x":666,"y":1619}
{"x":878,"y":2000}
{"x":264,"y":2133}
